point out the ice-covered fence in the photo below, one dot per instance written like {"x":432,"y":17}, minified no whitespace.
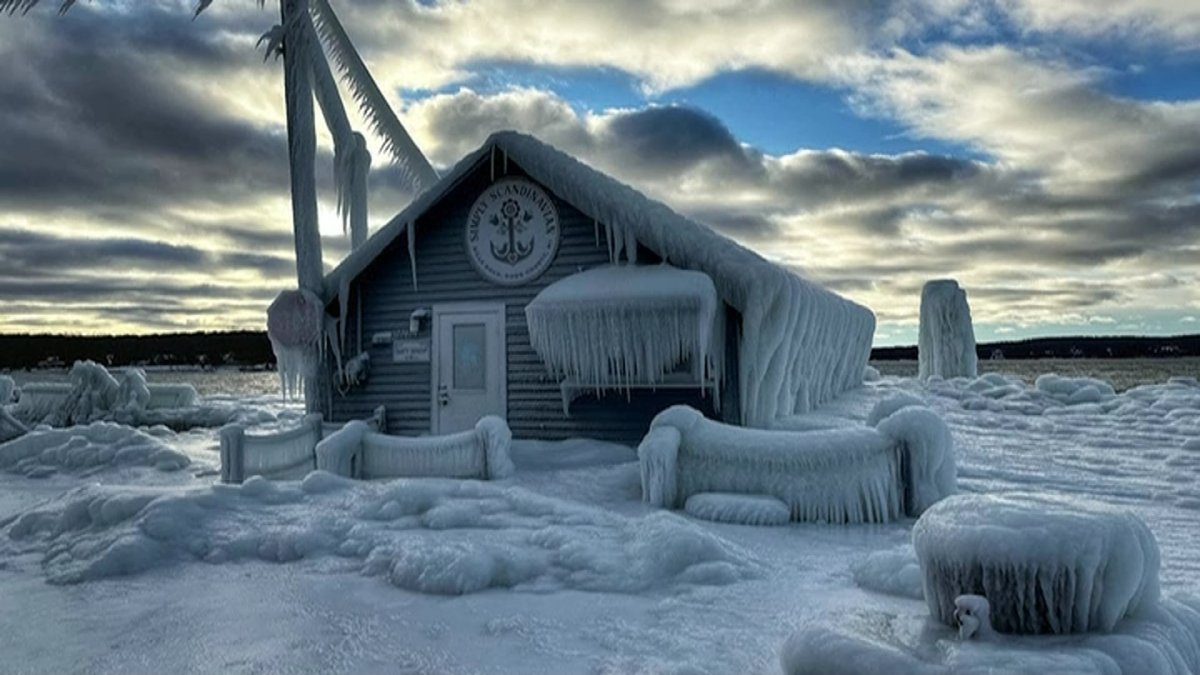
{"x":358,"y":452}
{"x":42,"y":400}
{"x":285,"y":455}
{"x":168,"y":396}
{"x":844,"y":475}
{"x":1045,"y":566}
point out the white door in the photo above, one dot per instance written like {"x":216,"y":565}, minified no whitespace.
{"x":469,"y":373}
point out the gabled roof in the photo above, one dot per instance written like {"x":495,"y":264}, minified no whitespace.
{"x":597,"y":195}
{"x":801,"y":344}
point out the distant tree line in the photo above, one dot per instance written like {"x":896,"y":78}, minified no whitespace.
{"x":238,"y":348}
{"x":1117,"y":347}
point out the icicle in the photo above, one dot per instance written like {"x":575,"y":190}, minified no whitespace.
{"x":492,"y":162}
{"x":505,"y":155}
{"x":343,"y":308}
{"x":361,"y":169}
{"x":617,"y":327}
{"x":596,"y":231}
{"x":411,"y":228}
{"x":396,"y":141}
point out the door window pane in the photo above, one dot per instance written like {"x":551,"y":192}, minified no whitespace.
{"x":470,"y":356}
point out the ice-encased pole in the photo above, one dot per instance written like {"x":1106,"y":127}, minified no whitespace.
{"x":302,"y":150}
{"x":946,"y":341}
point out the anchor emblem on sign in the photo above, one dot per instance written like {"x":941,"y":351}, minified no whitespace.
{"x":510,"y":222}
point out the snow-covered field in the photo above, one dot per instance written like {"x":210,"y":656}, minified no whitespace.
{"x":119,"y":556}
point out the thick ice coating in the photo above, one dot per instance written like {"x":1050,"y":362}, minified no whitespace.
{"x":946,"y":343}
{"x":295,"y":326}
{"x":1045,"y":565}
{"x":617,"y":325}
{"x":800,"y":346}
{"x":843,"y":475}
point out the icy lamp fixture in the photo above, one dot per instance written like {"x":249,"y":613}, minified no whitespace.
{"x":414,"y":320}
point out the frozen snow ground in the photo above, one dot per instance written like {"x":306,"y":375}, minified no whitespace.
{"x":330,"y":613}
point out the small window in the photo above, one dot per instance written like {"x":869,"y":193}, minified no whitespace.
{"x":470,"y":356}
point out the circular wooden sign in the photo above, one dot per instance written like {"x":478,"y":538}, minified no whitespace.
{"x":512,"y":232}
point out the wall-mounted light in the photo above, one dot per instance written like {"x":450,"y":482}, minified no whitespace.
{"x":414,"y":319}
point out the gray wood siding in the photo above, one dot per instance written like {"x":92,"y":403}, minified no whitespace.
{"x":446,"y":275}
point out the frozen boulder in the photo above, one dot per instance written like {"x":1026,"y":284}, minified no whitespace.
{"x":1045,"y":566}
{"x":946,"y":340}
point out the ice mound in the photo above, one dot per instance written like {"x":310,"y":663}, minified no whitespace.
{"x":946,"y":338}
{"x":892,"y":571}
{"x":739,"y":509}
{"x":1176,"y":402}
{"x":1164,"y":642}
{"x":1046,"y":566}
{"x":44,"y":451}
{"x":428,"y":535}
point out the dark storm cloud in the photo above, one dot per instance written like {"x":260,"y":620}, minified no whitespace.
{"x":95,"y":114}
{"x":673,"y":138}
{"x":33,"y":254}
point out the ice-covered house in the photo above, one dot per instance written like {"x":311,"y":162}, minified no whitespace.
{"x":528,"y":285}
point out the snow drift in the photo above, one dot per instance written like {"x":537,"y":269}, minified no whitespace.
{"x":844,"y":475}
{"x":946,"y":339}
{"x":43,"y":451}
{"x":801,"y":345}
{"x":1045,"y":565}
{"x":427,"y":535}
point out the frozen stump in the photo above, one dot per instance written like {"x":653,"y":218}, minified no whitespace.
{"x":1045,"y":566}
{"x":946,"y":338}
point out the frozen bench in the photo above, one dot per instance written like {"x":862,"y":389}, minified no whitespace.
{"x":286,"y":455}
{"x":356,"y":451}
{"x":864,"y":474}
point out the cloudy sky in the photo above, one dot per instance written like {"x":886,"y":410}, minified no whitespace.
{"x":1045,"y":153}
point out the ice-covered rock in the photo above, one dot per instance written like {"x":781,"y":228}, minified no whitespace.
{"x":1166,"y":641}
{"x":974,"y":616}
{"x":723,"y":507}
{"x":946,"y":340}
{"x":1044,"y":565}
{"x":871,"y":374}
{"x":891,"y":571}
